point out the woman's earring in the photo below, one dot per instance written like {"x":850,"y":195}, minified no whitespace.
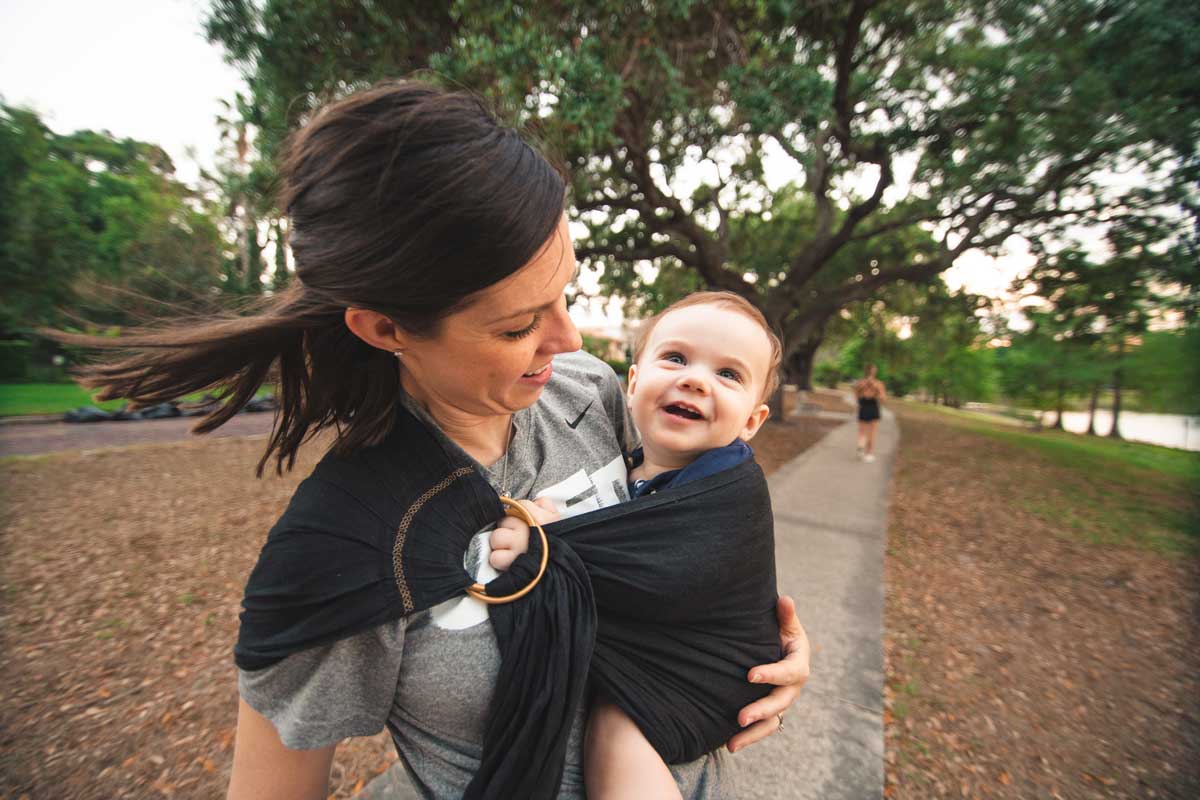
{"x":398,"y":352}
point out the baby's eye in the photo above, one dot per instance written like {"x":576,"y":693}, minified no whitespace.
{"x":674,"y":358}
{"x":730,"y":374}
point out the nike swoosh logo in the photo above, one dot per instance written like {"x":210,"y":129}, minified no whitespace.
{"x":579,"y":419}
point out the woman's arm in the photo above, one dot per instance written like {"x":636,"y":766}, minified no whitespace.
{"x":761,"y":718}
{"x":264,"y":769}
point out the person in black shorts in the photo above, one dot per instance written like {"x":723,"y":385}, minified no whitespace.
{"x":870,"y":393}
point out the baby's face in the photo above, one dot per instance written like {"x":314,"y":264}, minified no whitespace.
{"x":699,"y":382}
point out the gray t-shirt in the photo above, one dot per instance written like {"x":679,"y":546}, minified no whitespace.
{"x":429,"y":678}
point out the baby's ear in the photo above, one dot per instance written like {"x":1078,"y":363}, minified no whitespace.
{"x":632,"y":380}
{"x":757,"y":417}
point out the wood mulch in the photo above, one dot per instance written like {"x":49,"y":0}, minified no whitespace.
{"x":1022,"y":661}
{"x":122,"y":572}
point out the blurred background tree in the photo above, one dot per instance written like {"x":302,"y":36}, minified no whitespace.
{"x":828,"y":161}
{"x":970,"y":122}
{"x":95,"y":228}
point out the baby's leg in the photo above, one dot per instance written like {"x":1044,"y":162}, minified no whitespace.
{"x":619,"y":763}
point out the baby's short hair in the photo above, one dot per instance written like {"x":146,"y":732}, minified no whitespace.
{"x":731,"y":301}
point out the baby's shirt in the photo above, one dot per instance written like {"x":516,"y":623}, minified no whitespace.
{"x":707,"y":463}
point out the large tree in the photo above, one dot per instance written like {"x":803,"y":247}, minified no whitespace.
{"x":976,"y":121}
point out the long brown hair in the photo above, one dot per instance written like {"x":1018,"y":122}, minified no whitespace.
{"x":405,"y":199}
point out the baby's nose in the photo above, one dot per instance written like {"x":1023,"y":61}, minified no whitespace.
{"x":694,"y":380}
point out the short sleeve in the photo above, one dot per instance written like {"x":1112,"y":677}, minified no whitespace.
{"x":613,"y":397}
{"x":320,"y":696}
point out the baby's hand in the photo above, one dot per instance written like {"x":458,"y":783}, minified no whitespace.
{"x":511,"y":536}
{"x":508,"y":540}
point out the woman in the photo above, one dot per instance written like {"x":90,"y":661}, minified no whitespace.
{"x":870,"y":393}
{"x":431,"y":256}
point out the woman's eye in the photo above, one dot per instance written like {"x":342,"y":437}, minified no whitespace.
{"x":730,"y":374}
{"x":528,"y":329}
{"x":674,"y":358}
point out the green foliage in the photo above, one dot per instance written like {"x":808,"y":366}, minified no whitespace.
{"x":96,"y":227}
{"x":944,"y":354}
{"x":14,"y":360}
{"x":1012,"y":116}
{"x":1165,"y":369}
{"x":826,"y":373}
{"x":1089,"y":328}
{"x":55,"y":398}
{"x":601,"y":349}
{"x":46,"y":398}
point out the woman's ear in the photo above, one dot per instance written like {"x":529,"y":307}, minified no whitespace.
{"x":375,"y":329}
{"x":757,"y":417}
{"x":632,"y":380}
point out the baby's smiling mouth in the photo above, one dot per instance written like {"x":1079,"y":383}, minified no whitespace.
{"x":682,"y":410}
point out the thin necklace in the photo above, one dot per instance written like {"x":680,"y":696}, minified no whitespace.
{"x":504,"y":469}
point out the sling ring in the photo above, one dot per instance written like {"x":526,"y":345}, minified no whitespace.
{"x":517,"y":510}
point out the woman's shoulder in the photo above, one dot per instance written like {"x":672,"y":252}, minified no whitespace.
{"x":582,"y":376}
{"x":582,"y":366}
{"x":580,"y":380}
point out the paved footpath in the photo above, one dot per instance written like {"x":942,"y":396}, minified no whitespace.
{"x":36,"y":438}
{"x":830,"y":522}
{"x":830,"y":525}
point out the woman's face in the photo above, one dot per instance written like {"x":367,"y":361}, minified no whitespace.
{"x":493,"y":357}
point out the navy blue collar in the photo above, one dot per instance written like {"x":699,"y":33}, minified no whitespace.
{"x":708,"y":463}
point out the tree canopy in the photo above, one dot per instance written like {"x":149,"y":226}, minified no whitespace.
{"x":973,"y":121}
{"x":95,"y":227}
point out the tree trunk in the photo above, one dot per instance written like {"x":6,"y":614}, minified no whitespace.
{"x":775,"y":405}
{"x":280,"y":278}
{"x":1091,"y":430}
{"x":252,"y":262}
{"x":1058,"y":407}
{"x":798,"y":368}
{"x":1115,"y":433}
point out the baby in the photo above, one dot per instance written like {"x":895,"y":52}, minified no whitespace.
{"x":702,"y":371}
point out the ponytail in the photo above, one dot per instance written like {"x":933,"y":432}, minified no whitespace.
{"x":286,"y":339}
{"x":404,"y":199}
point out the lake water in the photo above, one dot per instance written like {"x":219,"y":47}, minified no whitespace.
{"x":1170,"y":430}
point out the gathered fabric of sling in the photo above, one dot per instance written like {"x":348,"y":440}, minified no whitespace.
{"x":660,"y":604}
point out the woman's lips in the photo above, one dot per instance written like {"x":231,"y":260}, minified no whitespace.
{"x":538,"y":377}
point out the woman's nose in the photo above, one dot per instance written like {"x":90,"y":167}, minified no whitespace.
{"x":562,"y":336}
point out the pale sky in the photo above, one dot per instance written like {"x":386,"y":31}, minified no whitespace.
{"x":136,"y":68}
{"x":142,"y":69}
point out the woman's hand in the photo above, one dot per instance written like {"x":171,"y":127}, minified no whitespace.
{"x":762,"y":717}
{"x":542,"y":510}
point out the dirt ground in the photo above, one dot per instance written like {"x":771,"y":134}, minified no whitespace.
{"x":1023,"y":662}
{"x":121,"y":572}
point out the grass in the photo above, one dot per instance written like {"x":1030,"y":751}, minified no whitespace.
{"x":20,"y":399}
{"x":46,"y":398}
{"x":1083,"y":452}
{"x":1100,"y":490}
